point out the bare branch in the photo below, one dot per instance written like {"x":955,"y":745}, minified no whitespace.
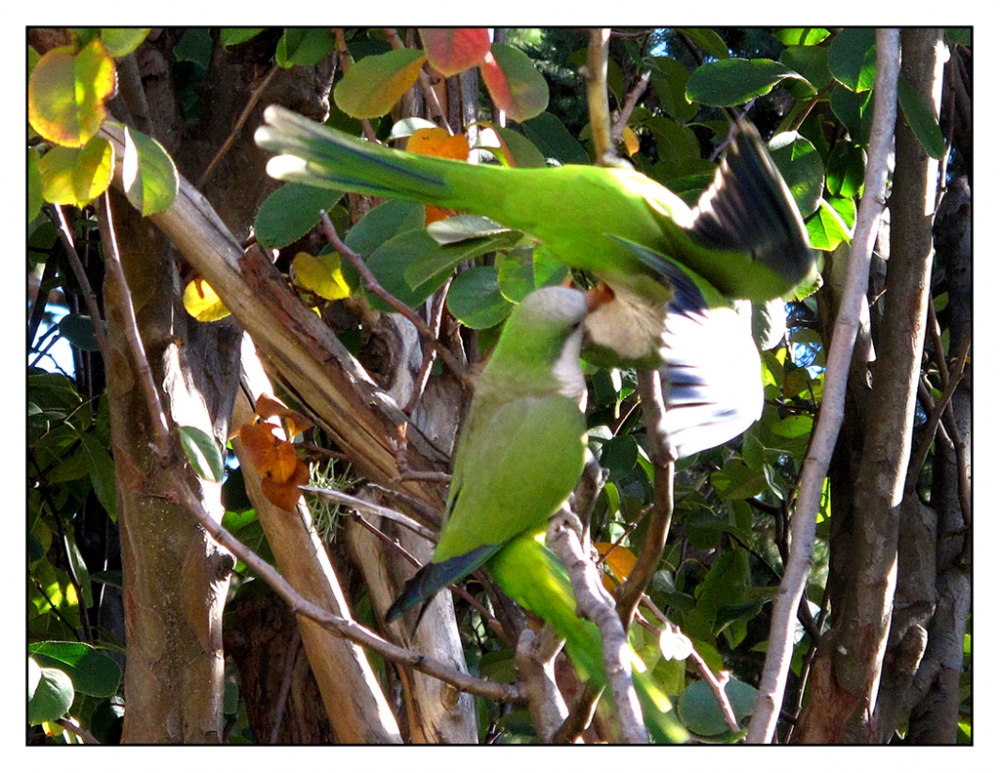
{"x":831,"y":415}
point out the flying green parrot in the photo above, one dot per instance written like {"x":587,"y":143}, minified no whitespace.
{"x":673,"y":273}
{"x":520,"y":454}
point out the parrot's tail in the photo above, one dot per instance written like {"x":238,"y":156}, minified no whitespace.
{"x":317,"y":155}
{"x":532,"y":575}
{"x":434,"y":577}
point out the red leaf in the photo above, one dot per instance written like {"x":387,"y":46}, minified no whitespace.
{"x":451,"y":51}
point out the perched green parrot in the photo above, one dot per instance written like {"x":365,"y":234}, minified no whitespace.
{"x":520,"y":454}
{"x":674,"y":273}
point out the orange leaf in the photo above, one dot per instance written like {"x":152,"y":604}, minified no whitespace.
{"x":268,"y":407}
{"x":259,"y":445}
{"x":287,"y":493}
{"x":451,"y":51}
{"x":621,"y":561}
{"x":437,"y":142}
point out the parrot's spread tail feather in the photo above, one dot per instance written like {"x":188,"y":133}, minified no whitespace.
{"x":435,"y":576}
{"x":314,"y":154}
{"x":749,"y":209}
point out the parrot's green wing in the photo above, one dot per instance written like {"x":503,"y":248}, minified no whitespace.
{"x":522,"y":448}
{"x":532,"y":575}
{"x":745,"y":236}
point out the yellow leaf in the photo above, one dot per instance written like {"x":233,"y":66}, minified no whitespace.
{"x":67,"y":92}
{"x":631,"y":141}
{"x":202,"y":302}
{"x":321,"y":274}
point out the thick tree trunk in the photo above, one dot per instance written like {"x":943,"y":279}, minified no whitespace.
{"x":848,"y":665}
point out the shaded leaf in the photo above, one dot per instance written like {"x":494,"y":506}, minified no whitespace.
{"x":735,"y":81}
{"x":233,"y":36}
{"x":708,"y":40}
{"x":554,"y":140}
{"x":374,"y":84}
{"x":801,"y":166}
{"x":78,"y":329}
{"x":514,"y":83}
{"x":699,"y":709}
{"x":102,"y":472}
{"x":921,"y":119}
{"x":451,"y":51}
{"x":291,"y":212}
{"x":474,"y":298}
{"x":305,"y":46}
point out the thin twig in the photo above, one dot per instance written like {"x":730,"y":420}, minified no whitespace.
{"x":631,"y":99}
{"x":116,"y":275}
{"x":595,"y":604}
{"x":66,"y":236}
{"x":82,"y":733}
{"x":831,"y":415}
{"x":373,"y":286}
{"x":654,"y":411}
{"x":240,"y":122}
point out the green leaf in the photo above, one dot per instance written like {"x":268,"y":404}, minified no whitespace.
{"x":553,"y":139}
{"x":735,"y":81}
{"x":376,"y":83}
{"x":669,"y":80}
{"x":854,"y":111}
{"x":102,"y":472}
{"x":52,"y":696}
{"x":801,"y":36}
{"x":474,"y":298}
{"x":305,"y":46}
{"x":35,"y":200}
{"x":845,"y":170}
{"x":801,"y":166}
{"x":291,"y":212}
{"x":451,"y":51}
{"x":122,"y":41}
{"x":463,"y":228}
{"x":921,"y":119}
{"x":526,"y":155}
{"x":202,"y":452}
{"x":619,"y":456}
{"x":514,"y":83}
{"x":383,"y":223}
{"x":852,"y":58}
{"x":737,"y":481}
{"x":390,"y":261}
{"x":699,"y":709}
{"x":93,"y":671}
{"x":233,"y":36}
{"x":707,"y":40}
{"x":439,"y":263}
{"x":828,"y":228}
{"x":516,"y":274}
{"x":793,"y":426}
{"x":78,"y":329}
{"x":148,"y":172}
{"x":195,"y":46}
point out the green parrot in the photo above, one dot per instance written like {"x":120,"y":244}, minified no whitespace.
{"x":520,"y":454}
{"x":673,"y":273}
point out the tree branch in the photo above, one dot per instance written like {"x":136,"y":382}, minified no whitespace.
{"x":831,"y":415}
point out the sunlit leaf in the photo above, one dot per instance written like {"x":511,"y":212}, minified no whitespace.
{"x":202,"y":452}
{"x":852,"y":58}
{"x":93,"y":671}
{"x":630,"y":140}
{"x":321,"y":274}
{"x":122,"y":41}
{"x":451,"y":51}
{"x":801,"y":36}
{"x":76,"y":176}
{"x":438,"y":142}
{"x":801,"y":166}
{"x":148,"y":173}
{"x":514,"y":83}
{"x":67,"y":92}
{"x":374,"y":84}
{"x":202,"y":302}
{"x":35,"y":200}
{"x":286,"y":494}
